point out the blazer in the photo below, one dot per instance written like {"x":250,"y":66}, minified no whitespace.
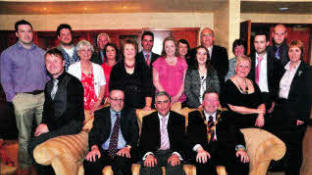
{"x":65,"y":112}
{"x":192,"y":85}
{"x":96,"y":57}
{"x":98,"y":73}
{"x":150,"y":135}
{"x":220,"y":61}
{"x":283,"y":52}
{"x":299,"y":100}
{"x":228,"y":136}
{"x":102,"y":127}
{"x":274,"y":69}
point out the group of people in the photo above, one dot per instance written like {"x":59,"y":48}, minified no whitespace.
{"x":270,"y":90}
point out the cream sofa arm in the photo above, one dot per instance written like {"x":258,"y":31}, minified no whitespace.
{"x":262,"y":147}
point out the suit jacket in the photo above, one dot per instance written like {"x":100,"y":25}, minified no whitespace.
{"x":65,"y":113}
{"x":299,"y":100}
{"x":220,"y":61}
{"x":228,"y":136}
{"x":283,"y":52}
{"x":193,"y":85}
{"x":96,"y":57}
{"x":150,"y":136}
{"x":274,"y":69}
{"x":102,"y":127}
{"x":140,"y":57}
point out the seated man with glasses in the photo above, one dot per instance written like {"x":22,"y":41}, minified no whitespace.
{"x":162,"y":139}
{"x":113,"y":138}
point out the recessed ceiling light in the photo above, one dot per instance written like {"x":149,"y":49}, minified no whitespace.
{"x":44,"y":8}
{"x":283,"y":8}
{"x":85,"y":8}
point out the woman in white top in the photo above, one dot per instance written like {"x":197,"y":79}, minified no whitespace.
{"x":91,"y":76}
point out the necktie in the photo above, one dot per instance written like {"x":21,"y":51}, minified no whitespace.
{"x":164,"y":139}
{"x":258,"y":69}
{"x":277,"y":55}
{"x":210,"y":129}
{"x":112,"y":148}
{"x":147,"y":59}
{"x":54,"y":89}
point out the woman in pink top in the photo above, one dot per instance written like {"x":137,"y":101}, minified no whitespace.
{"x":169,"y":71}
{"x":112,"y":56}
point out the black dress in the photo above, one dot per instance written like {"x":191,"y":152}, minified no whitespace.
{"x":136,"y":86}
{"x":230,"y":94}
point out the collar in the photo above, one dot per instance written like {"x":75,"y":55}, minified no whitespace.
{"x":214,"y":115}
{"x":264,"y":56}
{"x":20,"y":46}
{"x":144,"y":53}
{"x":167,"y":116}
{"x":287,"y":66}
{"x":60,"y":78}
{"x":113,"y":113}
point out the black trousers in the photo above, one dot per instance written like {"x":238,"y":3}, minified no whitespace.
{"x":221,"y":156}
{"x":120,"y":165}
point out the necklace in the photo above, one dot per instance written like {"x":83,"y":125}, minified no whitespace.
{"x":241,"y":89}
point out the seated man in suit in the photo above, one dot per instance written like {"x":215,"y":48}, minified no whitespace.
{"x":63,"y":106}
{"x":113,"y":138}
{"x":214,"y":140}
{"x":162,"y":139}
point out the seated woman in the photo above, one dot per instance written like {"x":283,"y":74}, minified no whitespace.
{"x":184,"y":51}
{"x":242,"y":97}
{"x":293,"y":107}
{"x":91,"y":76}
{"x":169,"y":72}
{"x":112,"y":56}
{"x":239,"y":49}
{"x":200,"y":78}
{"x":131,"y":77}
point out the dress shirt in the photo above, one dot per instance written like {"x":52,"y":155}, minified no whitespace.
{"x":121,"y":139}
{"x":210,"y":52}
{"x":22,"y":70}
{"x":70,"y":51}
{"x":286,"y":80}
{"x":150,"y":55}
{"x":263,"y":79}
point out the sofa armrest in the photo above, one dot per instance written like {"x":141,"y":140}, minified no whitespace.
{"x":262,"y":147}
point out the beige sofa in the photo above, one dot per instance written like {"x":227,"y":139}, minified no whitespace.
{"x":66,"y":153}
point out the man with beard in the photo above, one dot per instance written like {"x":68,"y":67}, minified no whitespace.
{"x":64,"y":34}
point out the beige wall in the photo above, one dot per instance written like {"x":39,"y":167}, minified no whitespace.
{"x":221,"y":25}
{"x":111,"y":21}
{"x":277,"y":18}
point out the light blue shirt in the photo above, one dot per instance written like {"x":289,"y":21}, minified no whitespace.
{"x":121,"y":140}
{"x":150,"y":55}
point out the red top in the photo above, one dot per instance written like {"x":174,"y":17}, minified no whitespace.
{"x":89,"y":97}
{"x":107,"y":70}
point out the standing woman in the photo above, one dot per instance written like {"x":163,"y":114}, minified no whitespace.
{"x":112,"y":56}
{"x":184,"y":51}
{"x":91,"y":76}
{"x":293,"y":107}
{"x":132,"y":77}
{"x":239,"y":49}
{"x":200,"y":78}
{"x":169,"y":72}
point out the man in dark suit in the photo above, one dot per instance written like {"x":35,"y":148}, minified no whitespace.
{"x":279,"y":49}
{"x":265,"y":70}
{"x":63,"y":107}
{"x":99,"y":55}
{"x":113,"y":138}
{"x":146,"y":55}
{"x":162,"y":139}
{"x":214,"y":140}
{"x":217,"y":54}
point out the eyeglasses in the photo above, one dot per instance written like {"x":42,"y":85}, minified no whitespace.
{"x":117,"y":99}
{"x":160,"y":102}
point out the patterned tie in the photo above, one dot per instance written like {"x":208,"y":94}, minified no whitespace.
{"x":164,"y":139}
{"x":210,"y":129}
{"x":147,"y":59}
{"x":258,"y":69}
{"x":112,"y":148}
{"x":54,"y":89}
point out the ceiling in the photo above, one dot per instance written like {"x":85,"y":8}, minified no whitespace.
{"x":130,"y":6}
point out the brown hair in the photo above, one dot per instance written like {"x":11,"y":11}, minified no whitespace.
{"x":299,"y":44}
{"x":169,"y":38}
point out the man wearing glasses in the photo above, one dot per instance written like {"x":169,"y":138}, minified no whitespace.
{"x":113,"y":138}
{"x":162,"y":139}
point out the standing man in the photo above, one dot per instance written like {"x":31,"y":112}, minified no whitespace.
{"x":162,"y":139}
{"x":214,"y":140}
{"x":64,"y":34}
{"x":146,"y":55}
{"x":217,"y":54}
{"x":265,"y":70}
{"x":113,"y":138}
{"x":63,"y":107}
{"x":23,"y":77}
{"x":99,"y":56}
{"x":279,"y":49}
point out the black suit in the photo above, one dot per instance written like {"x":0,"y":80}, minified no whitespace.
{"x":219,"y":60}
{"x":97,"y":58}
{"x":222,"y":150}
{"x":64,"y":114}
{"x":151,"y":139}
{"x":287,"y":112}
{"x":274,"y":69}
{"x":100,"y":133}
{"x":283,"y":52}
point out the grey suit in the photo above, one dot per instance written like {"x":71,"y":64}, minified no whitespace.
{"x":193,"y":83}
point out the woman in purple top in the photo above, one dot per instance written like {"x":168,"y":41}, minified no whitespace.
{"x":169,"y":71}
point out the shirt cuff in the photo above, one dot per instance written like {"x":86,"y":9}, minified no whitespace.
{"x":145,"y":155}
{"x":179,"y":155}
{"x":196,"y":147}
{"x":239,"y":147}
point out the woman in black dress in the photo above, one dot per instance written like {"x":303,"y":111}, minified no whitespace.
{"x":131,"y":77}
{"x":242,"y":97}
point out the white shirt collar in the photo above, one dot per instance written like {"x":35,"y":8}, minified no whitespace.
{"x":214,"y":115}
{"x":287,"y":66}
{"x":167,"y":116}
